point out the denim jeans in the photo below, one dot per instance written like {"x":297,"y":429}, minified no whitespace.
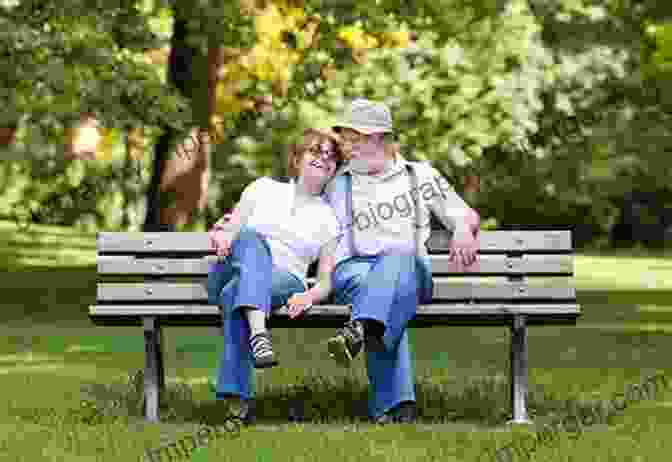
{"x":245,"y":277}
{"x":388,"y":289}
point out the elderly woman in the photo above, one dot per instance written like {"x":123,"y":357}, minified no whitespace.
{"x":274,"y":233}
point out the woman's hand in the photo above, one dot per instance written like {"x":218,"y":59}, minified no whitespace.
{"x":219,"y":242}
{"x":298,"y":303}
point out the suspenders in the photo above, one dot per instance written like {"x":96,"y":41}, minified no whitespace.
{"x":416,"y":214}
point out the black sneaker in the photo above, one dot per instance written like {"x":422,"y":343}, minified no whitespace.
{"x":347,"y":343}
{"x":373,"y":336}
{"x":404,"y":413}
{"x":237,"y":409}
{"x":262,"y":350}
{"x":249,"y":413}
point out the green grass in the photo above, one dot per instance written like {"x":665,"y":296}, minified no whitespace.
{"x":52,"y":358}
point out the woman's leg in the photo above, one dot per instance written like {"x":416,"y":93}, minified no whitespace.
{"x":283,"y":286}
{"x":253,"y":285}
{"x":231,"y":285}
{"x":236,"y":377}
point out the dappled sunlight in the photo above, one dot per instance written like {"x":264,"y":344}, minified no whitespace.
{"x":630,"y":327}
{"x":622,"y":273}
{"x":38,"y":368}
{"x":85,"y":349}
{"x":47,"y":246}
{"x":58,"y":259}
{"x":655,"y":308}
{"x":48,"y":233}
{"x":188,"y":381}
{"x":29,"y":357}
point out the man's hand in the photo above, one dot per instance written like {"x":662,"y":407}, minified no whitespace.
{"x":220,"y":243}
{"x":464,"y":250}
{"x":298,"y":303}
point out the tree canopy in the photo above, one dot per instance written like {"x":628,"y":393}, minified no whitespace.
{"x":556,"y":104}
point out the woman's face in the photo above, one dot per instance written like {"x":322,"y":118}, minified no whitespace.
{"x":319,"y":162}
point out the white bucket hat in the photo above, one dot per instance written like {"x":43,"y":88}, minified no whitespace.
{"x":367,"y":117}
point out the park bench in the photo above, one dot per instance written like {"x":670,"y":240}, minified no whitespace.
{"x":158,"y":279}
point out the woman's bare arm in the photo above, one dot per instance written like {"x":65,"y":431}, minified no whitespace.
{"x":241,"y":212}
{"x":325,"y":267}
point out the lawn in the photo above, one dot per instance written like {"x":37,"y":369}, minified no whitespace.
{"x":56,"y":369}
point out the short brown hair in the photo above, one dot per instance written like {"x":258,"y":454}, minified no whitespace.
{"x":310,"y":138}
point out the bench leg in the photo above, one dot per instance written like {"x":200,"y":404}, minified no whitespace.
{"x":519,"y":373}
{"x":154,"y":376}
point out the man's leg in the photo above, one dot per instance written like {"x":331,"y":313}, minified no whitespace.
{"x":391,"y":373}
{"x":389,"y":296}
{"x":391,"y":378}
{"x":385,"y":289}
{"x":348,"y":279}
{"x":383,"y":292}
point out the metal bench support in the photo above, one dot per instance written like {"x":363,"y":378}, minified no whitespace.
{"x":519,"y":370}
{"x":154,"y":373}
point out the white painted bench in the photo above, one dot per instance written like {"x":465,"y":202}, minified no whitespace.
{"x":159,"y":280}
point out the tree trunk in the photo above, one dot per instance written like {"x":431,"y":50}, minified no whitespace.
{"x":180,"y":65}
{"x":7,"y":135}
{"x":179,"y":185}
{"x":153,"y":213}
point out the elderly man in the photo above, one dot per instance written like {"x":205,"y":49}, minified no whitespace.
{"x":384,"y":203}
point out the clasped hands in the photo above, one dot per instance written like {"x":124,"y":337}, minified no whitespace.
{"x":299,"y":303}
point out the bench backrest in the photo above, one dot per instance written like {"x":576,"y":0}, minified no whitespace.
{"x":158,"y":268}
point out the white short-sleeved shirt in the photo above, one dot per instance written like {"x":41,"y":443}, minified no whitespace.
{"x":296,"y":227}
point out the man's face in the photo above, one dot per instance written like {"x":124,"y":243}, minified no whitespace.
{"x":358,"y":145}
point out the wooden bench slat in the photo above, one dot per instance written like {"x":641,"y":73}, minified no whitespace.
{"x":334,"y":316}
{"x":490,"y":241}
{"x":496,"y":265}
{"x":562,"y":265}
{"x":444,"y":289}
{"x":438,"y":309}
{"x":508,"y":241}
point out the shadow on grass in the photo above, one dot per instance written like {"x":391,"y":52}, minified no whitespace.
{"x":633,"y":252}
{"x":45,"y":294}
{"x":483,"y":402}
{"x":624,"y":297}
{"x":37,"y":245}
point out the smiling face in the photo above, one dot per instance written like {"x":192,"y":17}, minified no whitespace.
{"x":354,"y":144}
{"x":318,"y":161}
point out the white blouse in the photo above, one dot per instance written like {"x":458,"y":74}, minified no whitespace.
{"x":296,"y":226}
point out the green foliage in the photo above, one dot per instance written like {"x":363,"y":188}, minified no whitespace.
{"x":558,"y":105}
{"x":454,"y":98}
{"x":89,"y":195}
{"x":62,"y":65}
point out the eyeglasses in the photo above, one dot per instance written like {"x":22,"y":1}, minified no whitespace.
{"x":323,"y":151}
{"x":353,"y":137}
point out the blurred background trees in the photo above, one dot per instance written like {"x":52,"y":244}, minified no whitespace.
{"x":157,"y":113}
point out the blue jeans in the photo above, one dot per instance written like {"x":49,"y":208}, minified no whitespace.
{"x":388,"y":289}
{"x":245,"y":277}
